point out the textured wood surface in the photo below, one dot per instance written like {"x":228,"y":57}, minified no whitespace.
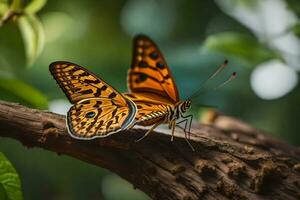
{"x":232,"y":159}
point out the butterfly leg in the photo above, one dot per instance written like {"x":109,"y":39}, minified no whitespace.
{"x":149,"y":131}
{"x":185,"y":131}
{"x":185,"y":121}
{"x":188,"y":123}
{"x":173,"y":125}
{"x":185,"y":126}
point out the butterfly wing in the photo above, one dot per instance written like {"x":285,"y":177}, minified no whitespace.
{"x":99,"y":110}
{"x":149,"y":73}
{"x":98,"y":117}
{"x":150,"y":111}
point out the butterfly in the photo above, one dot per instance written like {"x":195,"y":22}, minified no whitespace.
{"x":100,"y":110}
{"x":153,"y":89}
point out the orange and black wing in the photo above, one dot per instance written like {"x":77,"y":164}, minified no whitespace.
{"x":150,"y":111}
{"x":99,"y":117}
{"x":149,"y":73}
{"x":99,"y":110}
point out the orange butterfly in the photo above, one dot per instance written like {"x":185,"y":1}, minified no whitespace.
{"x":152,"y":88}
{"x":99,"y":110}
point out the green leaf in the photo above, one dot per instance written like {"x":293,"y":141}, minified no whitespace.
{"x":242,"y":46}
{"x":23,"y":92}
{"x":16,"y":4}
{"x":10,"y":184}
{"x":33,"y":36}
{"x":12,"y":56}
{"x":4,"y":7}
{"x":3,"y":194}
{"x":34,"y":6}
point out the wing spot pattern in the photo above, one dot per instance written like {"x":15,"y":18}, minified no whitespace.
{"x":153,"y":55}
{"x":112,"y":95}
{"x":109,"y":123}
{"x":99,"y":90}
{"x":140,"y":42}
{"x":89,"y":91}
{"x":143,"y":64}
{"x":140,"y":50}
{"x":98,"y":104}
{"x":139,"y":106}
{"x":141,"y":78}
{"x":90,"y":114}
{"x":160,"y":65}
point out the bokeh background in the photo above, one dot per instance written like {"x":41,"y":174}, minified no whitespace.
{"x":260,"y":38}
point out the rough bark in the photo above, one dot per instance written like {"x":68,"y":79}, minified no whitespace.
{"x":232,"y":160}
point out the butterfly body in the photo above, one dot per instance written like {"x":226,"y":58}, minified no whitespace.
{"x":153,"y":112}
{"x":167,"y":114}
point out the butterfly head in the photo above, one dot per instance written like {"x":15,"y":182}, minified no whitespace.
{"x":185,"y":105}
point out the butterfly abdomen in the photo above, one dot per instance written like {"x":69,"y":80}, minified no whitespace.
{"x":154,"y":117}
{"x":151,"y":121}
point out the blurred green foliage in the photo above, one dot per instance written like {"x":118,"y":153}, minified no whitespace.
{"x":10,"y":184}
{"x":245,"y":47}
{"x":16,"y":89}
{"x":195,"y":36}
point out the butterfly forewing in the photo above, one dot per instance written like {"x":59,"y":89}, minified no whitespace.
{"x":78,"y":83}
{"x":98,"y":110}
{"x":149,"y":72}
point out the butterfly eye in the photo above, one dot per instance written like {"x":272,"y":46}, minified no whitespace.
{"x":90,"y":114}
{"x":187,"y":104}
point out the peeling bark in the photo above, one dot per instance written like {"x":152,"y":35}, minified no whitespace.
{"x":232,"y":159}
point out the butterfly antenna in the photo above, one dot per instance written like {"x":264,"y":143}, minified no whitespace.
{"x":219,"y":69}
{"x":233,"y":76}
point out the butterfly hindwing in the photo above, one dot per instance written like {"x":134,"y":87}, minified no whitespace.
{"x":98,"y":117}
{"x":99,"y":110}
{"x":149,"y":72}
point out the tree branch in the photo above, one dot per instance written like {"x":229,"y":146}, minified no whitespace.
{"x":232,"y":160}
